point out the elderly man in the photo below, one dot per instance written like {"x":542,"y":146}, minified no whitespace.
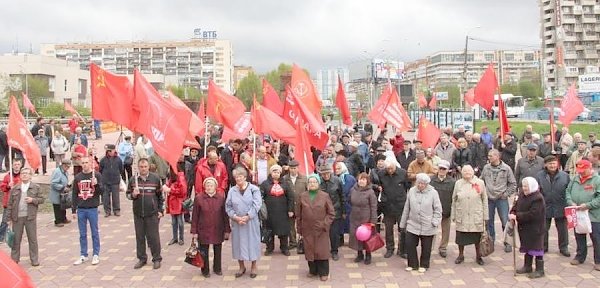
{"x":327,"y":157}
{"x":298,"y":183}
{"x":264,"y":162}
{"x":565,"y":142}
{"x":528,"y":132}
{"x":445,"y":148}
{"x":581,"y":152}
{"x":406,"y":156}
{"x":419,"y":165}
{"x":500,"y":184}
{"x":444,"y":185}
{"x":22,"y":211}
{"x":547,"y":147}
{"x":525,"y":143}
{"x":530,"y":164}
{"x":208,"y":167}
{"x":592,"y":139}
{"x":112,"y":168}
{"x":354,"y":160}
{"x":584,"y":192}
{"x":394,"y":185}
{"x":553,"y":184}
{"x":333,"y":186}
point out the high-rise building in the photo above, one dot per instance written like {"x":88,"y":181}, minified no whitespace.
{"x":327,"y":83}
{"x":183,"y":63}
{"x":570,"y":32}
{"x":239,"y":73}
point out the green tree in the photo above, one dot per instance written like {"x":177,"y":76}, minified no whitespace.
{"x":274,"y":76}
{"x":248,"y":87}
{"x":453,"y":96}
{"x":192,"y":92}
{"x":37,"y":89}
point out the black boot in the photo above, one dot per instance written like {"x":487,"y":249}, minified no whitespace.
{"x":359,"y":257}
{"x":368,"y":258}
{"x":526,"y":265}
{"x":539,"y":268}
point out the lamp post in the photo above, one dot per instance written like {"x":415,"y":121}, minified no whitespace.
{"x":465,"y":88}
{"x":26,"y":88}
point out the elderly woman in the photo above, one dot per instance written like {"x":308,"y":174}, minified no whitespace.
{"x":314,"y":215}
{"x":469,"y":212}
{"x":348,"y":181}
{"x":279,"y":199}
{"x":364,"y":210}
{"x":421,"y":218}
{"x":210,"y":224}
{"x":242,"y":206}
{"x":59,"y":146}
{"x":530,"y":213}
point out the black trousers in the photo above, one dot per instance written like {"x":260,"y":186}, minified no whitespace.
{"x":334,"y":234}
{"x":217,"y":257}
{"x":319,"y":267}
{"x":389,"y":222}
{"x":44,"y":164}
{"x":563,"y":160}
{"x":412,"y":241}
{"x":127,"y":170}
{"x":60,"y":215}
{"x":283,"y":243}
{"x":146,"y":229}
{"x":563,"y":233}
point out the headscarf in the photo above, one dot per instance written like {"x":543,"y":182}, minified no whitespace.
{"x":314,"y":175}
{"x":532,"y":184}
{"x":343,"y":172}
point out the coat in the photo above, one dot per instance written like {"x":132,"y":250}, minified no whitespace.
{"x":422,"y":213}
{"x":59,"y":145}
{"x":245,"y":239}
{"x":313,"y":220}
{"x":469,"y":205}
{"x":553,"y":188}
{"x":445,"y":152}
{"x":203,"y":171}
{"x":58,"y":183}
{"x":209,"y":219}
{"x":404,"y":160}
{"x":462,"y":157}
{"x":333,"y":187}
{"x":43,"y":143}
{"x":348,"y":183}
{"x":508,"y":153}
{"x":528,"y":168}
{"x":5,"y":186}
{"x":299,"y":186}
{"x":531,"y":220}
{"x":279,"y":202}
{"x":177,"y":194}
{"x":364,"y":210}
{"x":587,"y":193}
{"x":393,"y":194}
{"x":445,"y":188}
{"x":479,"y":152}
{"x":12,"y":210}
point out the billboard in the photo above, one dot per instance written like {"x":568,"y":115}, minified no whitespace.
{"x":385,"y":68}
{"x":440,"y":95}
{"x":589,"y":83}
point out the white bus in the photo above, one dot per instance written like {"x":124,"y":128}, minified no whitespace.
{"x":515,"y":106}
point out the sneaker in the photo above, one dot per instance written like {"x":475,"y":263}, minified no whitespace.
{"x":422,"y":270}
{"x":80,"y":260}
{"x":335,"y":257}
{"x":408,"y":269}
{"x":575,"y":262}
{"x":95,"y":260}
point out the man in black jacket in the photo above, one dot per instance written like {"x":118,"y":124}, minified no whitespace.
{"x":394,"y":184}
{"x":479,"y":151}
{"x":444,"y":185}
{"x":508,"y":150}
{"x":333,"y":186}
{"x":112,"y":168}
{"x":231,"y":157}
{"x":407,"y":156}
{"x":553,"y":184}
{"x":148,"y":207}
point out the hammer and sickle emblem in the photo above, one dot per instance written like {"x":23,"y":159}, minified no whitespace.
{"x":301,"y":89}
{"x":101,"y":80}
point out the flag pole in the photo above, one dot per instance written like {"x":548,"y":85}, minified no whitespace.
{"x":206,"y":138}
{"x":305,"y":162}
{"x":254,"y":155}
{"x":10,"y":160}
{"x":500,"y":102}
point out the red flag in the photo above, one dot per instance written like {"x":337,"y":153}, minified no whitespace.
{"x":27,"y":103}
{"x":112,"y":97}
{"x":305,"y":90}
{"x":20,"y":137}
{"x":70,"y":108}
{"x":428,"y":133}
{"x":262,"y":122}
{"x":570,"y":107}
{"x":202,"y":110}
{"x":224,"y":108}
{"x":165,"y":124}
{"x":196,"y":124}
{"x":302,"y":152}
{"x":422,"y":101}
{"x":504,"y":127}
{"x":270,"y":98}
{"x":389,"y":109}
{"x":303,"y":118}
{"x":241,"y":129}
{"x":433,"y":102}
{"x":12,"y":274}
{"x":470,"y":97}
{"x":342,"y":103}
{"x":486,"y":89}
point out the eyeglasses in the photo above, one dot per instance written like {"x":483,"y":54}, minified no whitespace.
{"x":443,"y":168}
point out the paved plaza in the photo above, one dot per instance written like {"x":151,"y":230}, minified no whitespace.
{"x":59,"y":248}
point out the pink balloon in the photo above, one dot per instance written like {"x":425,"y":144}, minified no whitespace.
{"x":363,"y":232}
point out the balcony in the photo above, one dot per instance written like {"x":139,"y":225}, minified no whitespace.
{"x":569,"y":20}
{"x":577,"y":11}
{"x":567,"y":3}
{"x":589,"y":19}
{"x":570,"y":55}
{"x":590,"y":54}
{"x":590,"y":37}
{"x":596,"y":9}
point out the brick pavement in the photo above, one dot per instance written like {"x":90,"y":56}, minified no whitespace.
{"x":59,"y":248}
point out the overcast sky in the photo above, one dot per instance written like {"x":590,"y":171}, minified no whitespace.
{"x":314,"y":34}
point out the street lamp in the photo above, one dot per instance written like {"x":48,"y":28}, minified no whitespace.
{"x":462,"y":95}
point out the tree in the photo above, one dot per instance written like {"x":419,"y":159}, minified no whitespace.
{"x":248,"y":87}
{"x":274,"y":76}
{"x":37,"y":89}
{"x":453,"y":96}
{"x":180,"y":91}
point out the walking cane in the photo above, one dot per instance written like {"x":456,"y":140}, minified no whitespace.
{"x":514,"y":237}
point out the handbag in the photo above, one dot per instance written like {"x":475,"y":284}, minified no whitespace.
{"x":10,"y":238}
{"x":187,"y":204}
{"x":486,"y":244}
{"x":66,"y":199}
{"x":266,"y":233}
{"x":374,"y":243}
{"x":300,"y":246}
{"x":128,"y":160}
{"x":193,"y":256}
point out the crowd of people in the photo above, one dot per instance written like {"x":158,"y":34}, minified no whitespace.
{"x":227,"y":191}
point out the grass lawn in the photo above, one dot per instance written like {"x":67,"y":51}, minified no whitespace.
{"x":517,"y":127}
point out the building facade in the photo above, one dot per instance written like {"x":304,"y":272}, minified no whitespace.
{"x":66,"y":81}
{"x":327,"y":83}
{"x":570,"y":32}
{"x":183,"y":63}
{"x":239,"y":73}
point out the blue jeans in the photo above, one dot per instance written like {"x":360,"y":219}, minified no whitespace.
{"x":582,"y":248}
{"x":3,"y":225}
{"x":177,"y":225}
{"x":502,"y":206}
{"x":83,"y":216}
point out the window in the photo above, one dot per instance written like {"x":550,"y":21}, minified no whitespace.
{"x":509,"y":57}
{"x":65,"y":85}
{"x":51,"y":82}
{"x":489,"y":57}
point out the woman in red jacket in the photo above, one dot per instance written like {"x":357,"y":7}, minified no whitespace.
{"x":177,"y":191}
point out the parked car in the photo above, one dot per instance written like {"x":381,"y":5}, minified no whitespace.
{"x":595,"y":115}
{"x":585,"y":115}
{"x":544,"y":113}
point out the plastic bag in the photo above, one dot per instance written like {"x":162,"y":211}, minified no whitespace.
{"x":584,"y":224}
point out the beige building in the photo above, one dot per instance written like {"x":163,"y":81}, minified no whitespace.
{"x":182,"y":63}
{"x":570,"y":32}
{"x":443,"y":69}
{"x":239,"y":73}
{"x":66,"y":81}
